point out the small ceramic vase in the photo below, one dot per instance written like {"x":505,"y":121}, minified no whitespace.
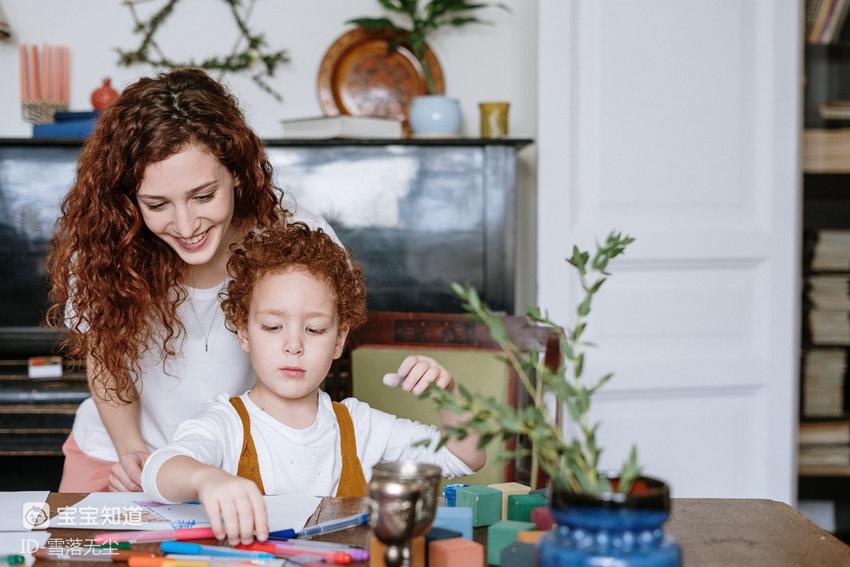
{"x":435,"y":116}
{"x":104,"y":95}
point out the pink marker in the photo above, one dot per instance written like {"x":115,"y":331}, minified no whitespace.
{"x":161,"y":535}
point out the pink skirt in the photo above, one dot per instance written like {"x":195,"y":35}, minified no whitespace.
{"x":81,"y":472}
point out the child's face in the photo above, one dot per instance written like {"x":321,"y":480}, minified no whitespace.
{"x":292,"y":333}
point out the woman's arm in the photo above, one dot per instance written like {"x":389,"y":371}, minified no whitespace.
{"x":122,"y":423}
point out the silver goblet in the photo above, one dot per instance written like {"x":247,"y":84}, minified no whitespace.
{"x":403,"y":502}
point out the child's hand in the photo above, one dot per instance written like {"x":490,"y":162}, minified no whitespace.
{"x":234,"y":505}
{"x":417,"y":372}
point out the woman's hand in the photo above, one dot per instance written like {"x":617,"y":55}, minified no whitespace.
{"x":126,"y":474}
{"x":234,"y":505}
{"x":417,"y":372}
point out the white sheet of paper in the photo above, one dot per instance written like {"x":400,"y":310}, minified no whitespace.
{"x":12,"y":508}
{"x":132,"y":511}
{"x":22,"y":543}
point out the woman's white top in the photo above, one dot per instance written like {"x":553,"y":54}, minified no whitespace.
{"x":173,"y":390}
{"x":299,"y":461}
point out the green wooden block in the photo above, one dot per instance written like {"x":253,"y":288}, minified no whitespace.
{"x":521,"y":505}
{"x":486,"y":504}
{"x":502,"y":534}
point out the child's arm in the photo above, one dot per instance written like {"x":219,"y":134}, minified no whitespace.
{"x":190,"y":467}
{"x":234,"y":505}
{"x":414,"y":375}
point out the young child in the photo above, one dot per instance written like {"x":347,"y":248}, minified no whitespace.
{"x":293,"y":298}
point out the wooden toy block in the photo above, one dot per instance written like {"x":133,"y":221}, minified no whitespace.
{"x":436,"y":534}
{"x":450,"y":493}
{"x":532,"y":537}
{"x":455,"y":519}
{"x":486,"y":504}
{"x":521,"y":505}
{"x":417,"y":552}
{"x":507,"y":489}
{"x":455,"y":553}
{"x":502,"y":534}
{"x":542,"y":517}
{"x":519,"y":555}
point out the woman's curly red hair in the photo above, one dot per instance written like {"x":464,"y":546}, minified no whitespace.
{"x":288,"y":246}
{"x":114,"y":283}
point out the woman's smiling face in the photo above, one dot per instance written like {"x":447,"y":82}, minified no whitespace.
{"x":187,"y":200}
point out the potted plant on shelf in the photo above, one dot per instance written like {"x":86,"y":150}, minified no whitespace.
{"x":611,"y":518}
{"x":433,"y":114}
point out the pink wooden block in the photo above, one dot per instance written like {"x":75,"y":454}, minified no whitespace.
{"x":457,"y":552}
{"x":543,"y":518}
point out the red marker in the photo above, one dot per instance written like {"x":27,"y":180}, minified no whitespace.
{"x":338,"y":557}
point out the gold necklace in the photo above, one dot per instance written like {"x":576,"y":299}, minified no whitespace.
{"x":201,"y":327}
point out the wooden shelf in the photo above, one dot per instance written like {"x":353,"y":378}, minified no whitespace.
{"x":824,"y":470}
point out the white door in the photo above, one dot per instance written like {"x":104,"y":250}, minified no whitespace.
{"x":678,"y":123}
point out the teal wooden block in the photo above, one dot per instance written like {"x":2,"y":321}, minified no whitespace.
{"x":486,"y":504}
{"x":500,"y":535}
{"x":521,"y":505}
{"x":455,"y":519}
{"x":519,"y":555}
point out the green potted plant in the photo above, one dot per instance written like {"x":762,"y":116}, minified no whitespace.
{"x":433,"y":114}
{"x":603,"y":517}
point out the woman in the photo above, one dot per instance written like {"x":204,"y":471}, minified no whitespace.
{"x":170,"y":179}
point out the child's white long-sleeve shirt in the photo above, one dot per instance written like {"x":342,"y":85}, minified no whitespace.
{"x":299,"y":461}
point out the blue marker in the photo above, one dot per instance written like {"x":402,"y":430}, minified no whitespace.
{"x":323,"y":528}
{"x":188,"y":548}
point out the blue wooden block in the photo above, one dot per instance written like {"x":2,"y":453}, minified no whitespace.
{"x":450,"y":491}
{"x":486,"y":504}
{"x":455,"y":519}
{"x":435,"y":534}
{"x":519,"y":555}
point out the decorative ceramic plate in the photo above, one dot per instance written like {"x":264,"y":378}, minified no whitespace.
{"x":358,"y":76}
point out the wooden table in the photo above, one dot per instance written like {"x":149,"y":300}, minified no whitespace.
{"x":711,"y":532}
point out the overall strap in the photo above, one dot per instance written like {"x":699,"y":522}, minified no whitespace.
{"x":352,"y":482}
{"x":249,"y":464}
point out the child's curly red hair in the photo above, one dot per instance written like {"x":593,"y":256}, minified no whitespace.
{"x":293,"y":245}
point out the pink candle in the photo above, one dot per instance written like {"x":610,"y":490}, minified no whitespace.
{"x":36,"y":85}
{"x":22,"y":63}
{"x":66,"y":75}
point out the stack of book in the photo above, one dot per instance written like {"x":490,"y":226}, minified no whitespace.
{"x":342,"y":126}
{"x":826,"y":150}
{"x":830,"y":292}
{"x":835,"y":110}
{"x":831,"y":251}
{"x":67,"y":125}
{"x":829,"y":327}
{"x":823,"y":382}
{"x":825,"y":19}
{"x":824,"y":444}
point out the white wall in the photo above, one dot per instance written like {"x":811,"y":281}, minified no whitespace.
{"x":480,"y":62}
{"x":496,"y":62}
